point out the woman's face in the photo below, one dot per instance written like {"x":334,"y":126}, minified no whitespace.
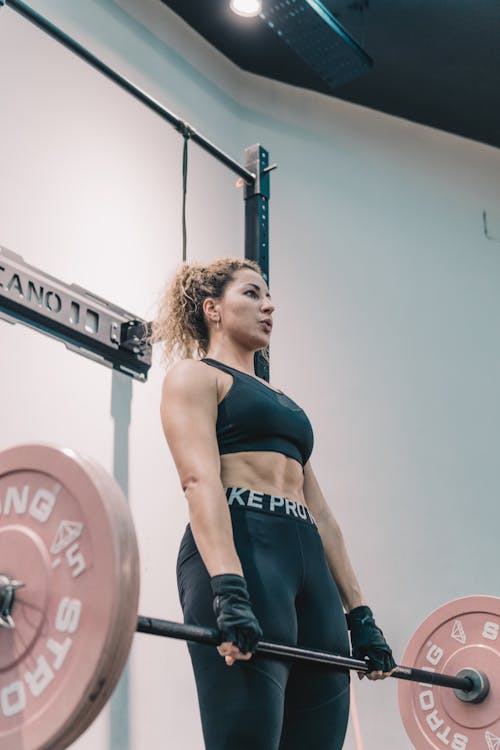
{"x":246,"y":309}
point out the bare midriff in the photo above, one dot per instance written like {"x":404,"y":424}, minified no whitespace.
{"x":264,"y":471}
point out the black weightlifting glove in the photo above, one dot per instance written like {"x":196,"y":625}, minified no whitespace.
{"x":235,"y":619}
{"x":368,"y":640}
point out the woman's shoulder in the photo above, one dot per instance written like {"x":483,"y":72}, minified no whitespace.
{"x":191,"y":375}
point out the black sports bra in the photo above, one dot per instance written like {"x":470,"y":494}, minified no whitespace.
{"x":253,"y":417}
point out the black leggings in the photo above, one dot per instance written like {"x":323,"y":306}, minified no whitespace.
{"x":269,"y":703}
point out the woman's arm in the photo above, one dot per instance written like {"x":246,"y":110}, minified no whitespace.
{"x":366,"y":638}
{"x":189,"y":413}
{"x":333,"y":542}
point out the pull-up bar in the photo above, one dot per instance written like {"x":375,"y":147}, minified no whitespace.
{"x":183,"y":127}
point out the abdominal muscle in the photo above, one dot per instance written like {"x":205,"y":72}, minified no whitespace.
{"x":264,"y":471}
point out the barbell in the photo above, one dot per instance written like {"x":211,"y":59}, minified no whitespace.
{"x":69,"y":591}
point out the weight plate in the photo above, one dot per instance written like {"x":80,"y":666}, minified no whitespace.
{"x":128,"y":611}
{"x":463,"y":633}
{"x":66,"y":532}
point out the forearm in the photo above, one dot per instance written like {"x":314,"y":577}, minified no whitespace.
{"x":333,"y":542}
{"x":210,"y":522}
{"x":339,"y":562}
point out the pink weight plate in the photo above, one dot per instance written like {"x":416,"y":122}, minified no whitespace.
{"x":70,"y":540}
{"x":461,"y":634}
{"x":127,"y":595}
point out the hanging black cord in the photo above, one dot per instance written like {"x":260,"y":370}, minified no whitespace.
{"x":184,"y":191}
{"x":186,"y":133}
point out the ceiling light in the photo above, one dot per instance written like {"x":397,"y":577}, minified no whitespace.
{"x":247,"y":8}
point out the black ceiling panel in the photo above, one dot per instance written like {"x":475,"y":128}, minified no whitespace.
{"x":435,"y":62}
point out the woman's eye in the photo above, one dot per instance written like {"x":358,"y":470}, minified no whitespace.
{"x":250,"y":291}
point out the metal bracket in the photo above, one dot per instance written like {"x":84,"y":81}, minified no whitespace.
{"x":87,"y":324}
{"x":257,"y":161}
{"x":486,"y":231}
{"x":257,"y":196}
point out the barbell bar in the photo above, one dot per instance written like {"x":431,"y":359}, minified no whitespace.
{"x":211,"y":637}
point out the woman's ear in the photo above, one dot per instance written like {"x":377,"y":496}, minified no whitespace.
{"x":210,"y":309}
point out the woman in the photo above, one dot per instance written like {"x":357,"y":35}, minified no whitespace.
{"x":263,"y":555}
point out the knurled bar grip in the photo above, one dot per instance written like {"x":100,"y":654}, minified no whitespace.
{"x":211,"y":637}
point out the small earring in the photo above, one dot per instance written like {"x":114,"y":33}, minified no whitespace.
{"x":218,"y":323}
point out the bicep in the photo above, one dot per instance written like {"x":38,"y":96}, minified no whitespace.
{"x":188,"y":414}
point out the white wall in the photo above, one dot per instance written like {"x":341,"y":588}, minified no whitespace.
{"x":382,"y":278}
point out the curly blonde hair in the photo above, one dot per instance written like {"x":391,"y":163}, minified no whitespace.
{"x":180,"y":323}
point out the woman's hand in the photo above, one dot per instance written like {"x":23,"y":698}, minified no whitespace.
{"x":231,"y":653}
{"x":368,"y":642}
{"x":236,"y":621}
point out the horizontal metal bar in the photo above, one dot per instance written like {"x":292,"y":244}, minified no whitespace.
{"x":433,"y":678}
{"x":183,"y":632}
{"x":182,"y":126}
{"x":87,"y":324}
{"x":211,"y":637}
